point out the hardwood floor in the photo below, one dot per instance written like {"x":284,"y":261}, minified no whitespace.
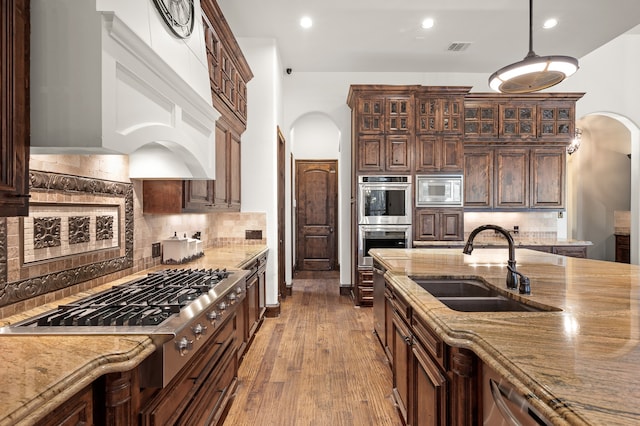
{"x":318,"y":363}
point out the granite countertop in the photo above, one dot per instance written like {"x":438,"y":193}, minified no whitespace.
{"x":41,"y":372}
{"x":581,"y":362}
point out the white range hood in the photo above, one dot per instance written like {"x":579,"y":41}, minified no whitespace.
{"x":108,"y":77}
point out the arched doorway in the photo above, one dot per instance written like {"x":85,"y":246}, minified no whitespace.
{"x":603,"y":180}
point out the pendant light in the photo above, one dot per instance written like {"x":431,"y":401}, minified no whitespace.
{"x":534,"y":72}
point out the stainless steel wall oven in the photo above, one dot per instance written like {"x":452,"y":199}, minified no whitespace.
{"x":384,"y":200}
{"x":381,"y":236}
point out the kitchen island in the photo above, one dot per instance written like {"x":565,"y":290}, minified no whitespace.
{"x":578,"y":357}
{"x":42,"y":372}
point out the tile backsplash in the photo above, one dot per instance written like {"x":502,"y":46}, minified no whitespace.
{"x":531,"y":225}
{"x":216,"y":229}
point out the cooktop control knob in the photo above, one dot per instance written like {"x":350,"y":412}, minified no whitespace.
{"x":199,"y":330}
{"x":222,"y":306}
{"x":232,"y":298}
{"x":212,"y":316}
{"x":184,"y":345}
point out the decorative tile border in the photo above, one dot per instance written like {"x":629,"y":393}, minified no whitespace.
{"x":68,"y":229}
{"x":62,"y":185}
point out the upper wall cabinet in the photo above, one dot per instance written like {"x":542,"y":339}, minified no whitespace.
{"x":515,"y":150}
{"x":402,"y":129}
{"x":440,"y":114}
{"x":229,"y":71}
{"x":14,"y":112}
{"x":543,"y":117}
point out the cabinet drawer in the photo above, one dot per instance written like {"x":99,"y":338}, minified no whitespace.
{"x":401,"y":306}
{"x":430,"y":341}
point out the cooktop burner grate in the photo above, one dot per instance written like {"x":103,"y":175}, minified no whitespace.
{"x":147,"y":301}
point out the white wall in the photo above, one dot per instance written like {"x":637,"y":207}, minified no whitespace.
{"x":259,"y":145}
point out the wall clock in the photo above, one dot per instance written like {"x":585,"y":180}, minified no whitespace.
{"x":178,"y":15}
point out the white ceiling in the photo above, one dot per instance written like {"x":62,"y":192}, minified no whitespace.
{"x":385,"y":35}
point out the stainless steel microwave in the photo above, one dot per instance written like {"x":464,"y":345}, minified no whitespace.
{"x":438,"y":190}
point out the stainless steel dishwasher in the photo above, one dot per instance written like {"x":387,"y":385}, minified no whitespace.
{"x":503,"y":405}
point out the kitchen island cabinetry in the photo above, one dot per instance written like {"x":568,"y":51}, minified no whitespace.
{"x":433,"y":383}
{"x":14,"y":114}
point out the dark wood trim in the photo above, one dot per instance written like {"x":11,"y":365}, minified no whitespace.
{"x":272,"y":311}
{"x":14,"y":113}
{"x":282,"y":157}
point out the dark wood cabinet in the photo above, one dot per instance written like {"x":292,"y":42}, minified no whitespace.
{"x":176,"y":196}
{"x":433,"y":383}
{"x":480,"y":120}
{"x":517,"y":120}
{"x":399,"y":114}
{"x":198,"y":195}
{"x":369,"y":115}
{"x":439,"y":224}
{"x":253,"y":309}
{"x":364,"y":288}
{"x":512,"y":178}
{"x":623,"y":248}
{"x":556,"y":120}
{"x":440,"y":113}
{"x":478,"y":178}
{"x":430,"y":383}
{"x":401,"y":341}
{"x":547,"y":177}
{"x":579,"y":251}
{"x":571,"y":251}
{"x":371,"y":153}
{"x":227,"y":184}
{"x":527,"y":118}
{"x":14,"y":113}
{"x":229,"y":71}
{"x":437,"y":153}
{"x":398,"y":153}
{"x":200,"y":393}
{"x":77,"y":410}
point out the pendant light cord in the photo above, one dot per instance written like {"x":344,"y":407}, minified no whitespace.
{"x":531,"y":52}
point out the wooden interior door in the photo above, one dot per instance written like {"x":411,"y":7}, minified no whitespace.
{"x":316,"y":213}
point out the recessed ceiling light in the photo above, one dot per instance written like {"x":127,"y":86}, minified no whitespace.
{"x":306,"y":22}
{"x":550,"y":23}
{"x":428,"y":23}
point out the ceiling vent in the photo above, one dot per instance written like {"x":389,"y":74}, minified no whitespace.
{"x":458,"y":46}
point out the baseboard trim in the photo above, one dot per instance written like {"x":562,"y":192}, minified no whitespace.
{"x":272,"y":311}
{"x":345,"y":290}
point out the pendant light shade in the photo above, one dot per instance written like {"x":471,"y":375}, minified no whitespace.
{"x":534,"y":72}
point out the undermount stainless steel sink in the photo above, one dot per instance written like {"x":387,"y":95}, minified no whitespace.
{"x":455,"y":287}
{"x":472,"y":295}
